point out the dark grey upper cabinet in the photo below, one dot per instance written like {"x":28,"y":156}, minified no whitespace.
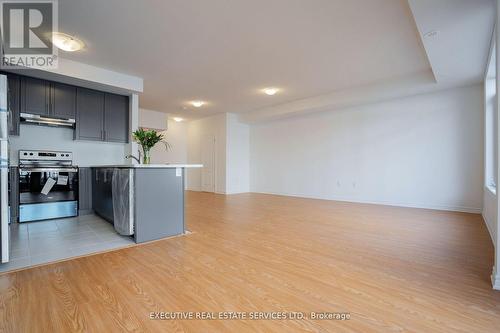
{"x":45,"y":98}
{"x":90,"y":115}
{"x":116,"y":118}
{"x":63,"y":101}
{"x":35,"y":96}
{"x":99,"y":116}
{"x":14,"y":100}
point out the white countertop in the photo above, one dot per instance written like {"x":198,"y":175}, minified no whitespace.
{"x":146,"y":166}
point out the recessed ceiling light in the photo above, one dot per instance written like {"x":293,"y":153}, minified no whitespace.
{"x":178,"y":119}
{"x":66,"y":42}
{"x":270,"y":91}
{"x":197,"y":104}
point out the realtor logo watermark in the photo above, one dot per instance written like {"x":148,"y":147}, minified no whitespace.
{"x":27,"y":28}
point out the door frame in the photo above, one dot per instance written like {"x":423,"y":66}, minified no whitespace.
{"x":213,"y":139}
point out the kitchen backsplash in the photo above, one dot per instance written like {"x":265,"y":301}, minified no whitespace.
{"x":86,"y":153}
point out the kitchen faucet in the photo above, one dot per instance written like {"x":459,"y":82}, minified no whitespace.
{"x":135,"y":158}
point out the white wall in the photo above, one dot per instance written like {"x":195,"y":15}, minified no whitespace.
{"x":237,"y":155}
{"x":489,"y":213}
{"x":86,"y":153}
{"x":153,"y":119}
{"x":495,"y":276}
{"x":422,"y":151}
{"x":175,"y":134}
{"x":199,"y":130}
{"x":490,"y":147}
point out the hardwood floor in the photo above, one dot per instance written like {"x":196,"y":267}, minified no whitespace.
{"x":393,"y":269}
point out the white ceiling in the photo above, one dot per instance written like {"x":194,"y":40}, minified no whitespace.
{"x":457,"y":50}
{"x":456,"y":35}
{"x":224,"y":51}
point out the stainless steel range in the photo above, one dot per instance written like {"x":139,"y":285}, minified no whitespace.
{"x":48,"y":185}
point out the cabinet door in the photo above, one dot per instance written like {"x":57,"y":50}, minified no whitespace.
{"x":89,"y":114}
{"x":102,"y":199}
{"x":35,"y":96}
{"x":96,"y":189}
{"x":116,"y":110}
{"x":85,"y":191}
{"x":14,"y":100}
{"x":63,"y":100}
{"x":14,"y":194}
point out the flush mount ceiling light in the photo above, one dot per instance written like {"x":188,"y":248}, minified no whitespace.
{"x":178,"y":119}
{"x":197,"y":104}
{"x":270,"y":91}
{"x":66,"y":42}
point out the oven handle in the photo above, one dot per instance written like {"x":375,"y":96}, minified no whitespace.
{"x":48,"y":169}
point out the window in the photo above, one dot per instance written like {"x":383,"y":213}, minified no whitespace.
{"x":491,"y":124}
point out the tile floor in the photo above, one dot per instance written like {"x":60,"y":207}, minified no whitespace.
{"x":41,"y":242}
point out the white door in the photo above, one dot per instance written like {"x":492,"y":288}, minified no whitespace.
{"x":208,"y":161}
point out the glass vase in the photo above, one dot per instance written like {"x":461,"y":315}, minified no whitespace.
{"x":146,"y":159}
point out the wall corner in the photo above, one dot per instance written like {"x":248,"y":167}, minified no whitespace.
{"x":495,"y":279}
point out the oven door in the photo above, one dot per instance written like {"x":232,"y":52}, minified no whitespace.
{"x":47,"y":193}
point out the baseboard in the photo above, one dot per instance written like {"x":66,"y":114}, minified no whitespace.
{"x":237,"y":192}
{"x":487,"y":223}
{"x":198,"y":190}
{"x":386,"y":203}
{"x":495,"y":279}
{"x":460,"y":209}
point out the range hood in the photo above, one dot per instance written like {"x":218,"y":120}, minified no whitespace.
{"x":35,"y":119}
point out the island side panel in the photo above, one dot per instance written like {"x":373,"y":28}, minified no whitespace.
{"x":159,"y":203}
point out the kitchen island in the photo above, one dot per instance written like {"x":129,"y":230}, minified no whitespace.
{"x":146,"y":201}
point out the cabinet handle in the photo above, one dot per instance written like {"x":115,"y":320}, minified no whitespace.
{"x":10,"y":118}
{"x":47,"y":98}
